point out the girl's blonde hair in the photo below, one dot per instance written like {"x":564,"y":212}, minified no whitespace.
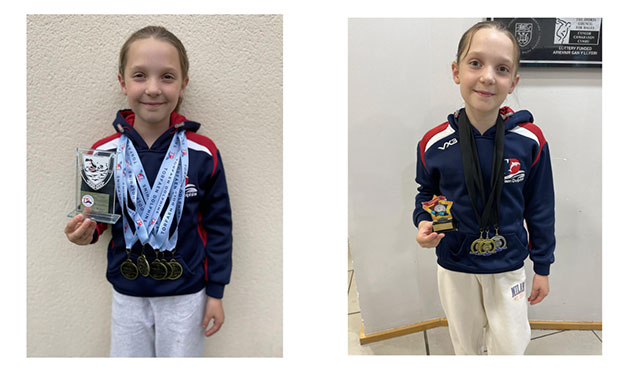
{"x":159,"y":33}
{"x":465,"y":41}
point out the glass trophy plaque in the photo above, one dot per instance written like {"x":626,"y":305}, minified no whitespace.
{"x":95,"y":185}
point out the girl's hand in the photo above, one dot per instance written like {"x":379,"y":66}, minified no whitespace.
{"x":426,"y":237}
{"x":80,"y":230}
{"x":539,"y":289}
{"x":213,"y":311}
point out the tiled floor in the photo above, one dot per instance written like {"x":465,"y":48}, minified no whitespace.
{"x":436,"y":341}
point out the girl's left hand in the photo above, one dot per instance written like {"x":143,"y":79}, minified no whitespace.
{"x":539,"y":289}
{"x":213,"y":311}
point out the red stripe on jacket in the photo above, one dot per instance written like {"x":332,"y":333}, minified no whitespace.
{"x":538,"y":133}
{"x":430,"y":134}
{"x":206,"y":142}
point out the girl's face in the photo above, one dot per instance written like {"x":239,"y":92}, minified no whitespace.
{"x":486,"y":74}
{"x":152,"y":81}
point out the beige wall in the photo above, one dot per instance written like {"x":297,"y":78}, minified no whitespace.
{"x":235,"y":91}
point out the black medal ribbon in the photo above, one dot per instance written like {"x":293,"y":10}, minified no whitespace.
{"x":473,"y":173}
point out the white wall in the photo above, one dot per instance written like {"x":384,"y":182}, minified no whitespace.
{"x":235,"y":91}
{"x":400,"y":86}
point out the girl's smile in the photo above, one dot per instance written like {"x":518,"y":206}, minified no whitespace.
{"x":484,"y":93}
{"x":153,"y":105}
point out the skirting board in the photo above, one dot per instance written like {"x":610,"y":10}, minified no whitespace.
{"x":442,"y":322}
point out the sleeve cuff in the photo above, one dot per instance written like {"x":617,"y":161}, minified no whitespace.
{"x":541,"y":269}
{"x":96,"y":235}
{"x":215,"y":290}
{"x":423,"y":216}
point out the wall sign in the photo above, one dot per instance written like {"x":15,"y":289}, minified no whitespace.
{"x":575,"y":42}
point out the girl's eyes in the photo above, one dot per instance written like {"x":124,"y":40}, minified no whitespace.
{"x":477,"y":64}
{"x":166,"y":77}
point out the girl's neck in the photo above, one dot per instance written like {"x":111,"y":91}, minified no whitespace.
{"x":482,"y":121}
{"x":150,"y":132}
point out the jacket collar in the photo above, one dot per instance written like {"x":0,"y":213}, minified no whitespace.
{"x":511,"y":120}
{"x":125,"y":123}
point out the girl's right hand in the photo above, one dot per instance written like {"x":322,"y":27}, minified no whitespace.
{"x":426,"y":237}
{"x":80,"y":230}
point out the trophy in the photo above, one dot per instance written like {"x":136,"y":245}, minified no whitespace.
{"x":440,"y":209}
{"x":95,"y":185}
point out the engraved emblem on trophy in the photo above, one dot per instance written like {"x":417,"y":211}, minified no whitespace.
{"x":440,"y":210}
{"x":95,"y":185}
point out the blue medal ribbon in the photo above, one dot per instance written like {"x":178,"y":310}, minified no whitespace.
{"x":132,"y":185}
{"x":160,"y":238}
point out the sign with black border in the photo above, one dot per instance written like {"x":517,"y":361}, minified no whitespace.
{"x":570,"y":42}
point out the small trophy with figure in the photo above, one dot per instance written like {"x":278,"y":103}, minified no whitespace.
{"x":440,"y":210}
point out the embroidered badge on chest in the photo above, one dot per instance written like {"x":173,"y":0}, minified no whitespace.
{"x":513,"y":171}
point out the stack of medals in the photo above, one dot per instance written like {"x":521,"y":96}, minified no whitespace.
{"x":133,"y":189}
{"x":487,"y":246}
{"x":484,"y":245}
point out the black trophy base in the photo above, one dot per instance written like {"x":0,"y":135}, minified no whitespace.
{"x":443,"y":226}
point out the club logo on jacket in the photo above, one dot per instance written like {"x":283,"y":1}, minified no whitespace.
{"x":452,"y":142}
{"x":512,"y":171}
{"x":190,"y":191}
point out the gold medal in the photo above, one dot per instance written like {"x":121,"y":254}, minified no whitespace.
{"x":176,"y":270}
{"x":143,"y":264}
{"x":475,"y":245}
{"x":166,"y":264}
{"x":157,"y":269}
{"x":129,"y":270}
{"x":483,"y":245}
{"x":487,"y":247}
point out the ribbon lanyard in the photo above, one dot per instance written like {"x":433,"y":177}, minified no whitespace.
{"x":473,"y":173}
{"x":160,"y":238}
{"x":144,"y":204}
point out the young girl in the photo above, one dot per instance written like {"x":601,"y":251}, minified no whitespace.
{"x":494,"y":165}
{"x":170,"y":255}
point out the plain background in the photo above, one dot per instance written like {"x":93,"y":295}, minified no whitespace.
{"x":315,"y":80}
{"x":235,"y":92}
{"x":401,"y":86}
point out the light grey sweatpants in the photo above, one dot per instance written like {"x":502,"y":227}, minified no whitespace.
{"x":496,"y":301}
{"x":157,"y":326}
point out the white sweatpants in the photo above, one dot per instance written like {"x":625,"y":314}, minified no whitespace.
{"x":157,"y":326}
{"x":497,"y":301}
